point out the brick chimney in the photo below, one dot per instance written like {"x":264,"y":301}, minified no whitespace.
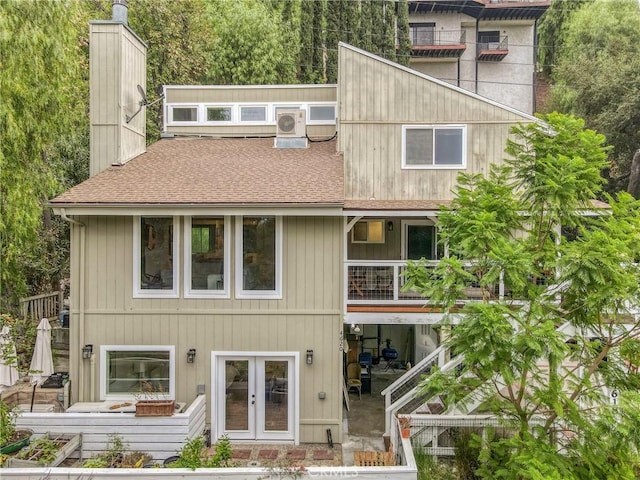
{"x":117,"y":65}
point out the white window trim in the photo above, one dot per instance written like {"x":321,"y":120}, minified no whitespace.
{"x":152,"y":293}
{"x":367,"y":221}
{"x":206,"y":121}
{"x":258,"y":294}
{"x":169,"y":113}
{"x":171,"y":394}
{"x":270,"y":115}
{"x":266,"y":121}
{"x":462,"y":166}
{"x":226,"y":273}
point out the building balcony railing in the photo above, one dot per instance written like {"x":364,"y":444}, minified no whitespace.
{"x":493,"y":51}
{"x":437,"y":43}
{"x":382,"y":282}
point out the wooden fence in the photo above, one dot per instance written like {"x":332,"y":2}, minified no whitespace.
{"x":161,"y":437}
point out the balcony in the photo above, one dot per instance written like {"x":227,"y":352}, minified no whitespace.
{"x":493,"y":51}
{"x":430,"y":43}
{"x":378,"y":285}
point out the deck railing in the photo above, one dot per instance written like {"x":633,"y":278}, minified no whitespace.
{"x":46,"y":305}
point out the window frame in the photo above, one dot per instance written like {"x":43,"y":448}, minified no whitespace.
{"x":219,"y":106}
{"x":171,"y":394}
{"x":368,"y":221}
{"x":138,"y":291}
{"x":332,"y":121}
{"x":434,"y":166}
{"x":264,"y":106}
{"x":240,"y":292}
{"x":183,"y":122}
{"x":189,"y":292}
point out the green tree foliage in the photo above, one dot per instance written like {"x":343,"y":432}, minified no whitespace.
{"x":597,"y":78}
{"x":552,"y":30}
{"x":404,"y":42}
{"x":250,"y":46}
{"x":307,"y":73}
{"x":351,"y":16}
{"x":334,"y":35}
{"x":367,"y":26}
{"x":388,"y":47}
{"x":546,"y":382}
{"x":39,"y":96}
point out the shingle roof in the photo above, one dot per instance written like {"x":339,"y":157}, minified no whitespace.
{"x":218,"y":171}
{"x":395,"y":204}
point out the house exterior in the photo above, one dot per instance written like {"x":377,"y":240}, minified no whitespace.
{"x":263,"y":236}
{"x":484,"y":46}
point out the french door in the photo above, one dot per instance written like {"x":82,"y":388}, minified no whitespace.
{"x":255,"y":396}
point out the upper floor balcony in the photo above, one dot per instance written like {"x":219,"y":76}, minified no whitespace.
{"x":492,"y":48}
{"x":428,"y":42}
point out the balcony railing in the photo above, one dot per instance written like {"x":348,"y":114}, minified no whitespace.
{"x":493,"y":51}
{"x":428,"y":42}
{"x":381,"y":283}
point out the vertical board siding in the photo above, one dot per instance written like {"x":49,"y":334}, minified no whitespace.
{"x":371,"y":129}
{"x":307,"y":317}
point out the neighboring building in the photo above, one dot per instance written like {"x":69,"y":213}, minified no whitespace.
{"x":232,"y":257}
{"x":484,"y":46}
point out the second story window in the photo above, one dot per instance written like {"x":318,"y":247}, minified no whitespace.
{"x":259,"y":257}
{"x":155,"y":252}
{"x":207,"y":247}
{"x":435,"y":147}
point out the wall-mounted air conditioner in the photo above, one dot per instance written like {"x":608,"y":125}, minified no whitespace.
{"x":291,"y":122}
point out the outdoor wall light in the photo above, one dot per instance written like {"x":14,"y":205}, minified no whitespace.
{"x":309,"y":357}
{"x":191,"y":355}
{"x":390,"y":226}
{"x":355,"y":328}
{"x":87,"y":350}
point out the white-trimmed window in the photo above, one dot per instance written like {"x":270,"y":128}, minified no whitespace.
{"x":253,"y":113}
{"x":368,"y":231}
{"x":219,"y":114}
{"x":431,"y":146}
{"x":127,"y":371}
{"x":259,"y":257}
{"x":207,"y":241}
{"x":155,"y":254}
{"x":321,"y":114}
{"x":183,"y":114}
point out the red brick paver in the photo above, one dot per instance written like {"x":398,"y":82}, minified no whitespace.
{"x":296,"y":454}
{"x":323,"y":455}
{"x":268,"y":454}
{"x":241,"y":454}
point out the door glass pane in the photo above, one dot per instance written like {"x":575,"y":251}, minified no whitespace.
{"x":420,"y":242}
{"x":237,"y":395}
{"x":276,"y":409}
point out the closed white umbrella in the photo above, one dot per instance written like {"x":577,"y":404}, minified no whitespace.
{"x":8,"y":359}
{"x":42,"y":360}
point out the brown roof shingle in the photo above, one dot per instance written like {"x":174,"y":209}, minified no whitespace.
{"x":218,"y":171}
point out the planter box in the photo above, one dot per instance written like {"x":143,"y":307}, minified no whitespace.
{"x":70,"y":443}
{"x":155,"y":408}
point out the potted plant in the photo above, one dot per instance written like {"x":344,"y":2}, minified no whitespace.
{"x":405,"y":426}
{"x":152,"y":402}
{"x":11,"y":439}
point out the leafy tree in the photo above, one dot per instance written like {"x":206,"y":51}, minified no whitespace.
{"x":307,"y":72}
{"x":404,"y":42}
{"x":552,"y":30}
{"x":597,"y":78}
{"x":351,"y":17}
{"x":389,"y":31}
{"x":334,"y":35}
{"x":540,"y":355}
{"x":249,"y":45}
{"x":366,"y":26}
{"x":38,"y":60}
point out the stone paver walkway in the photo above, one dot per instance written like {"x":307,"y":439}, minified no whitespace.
{"x":266,"y":455}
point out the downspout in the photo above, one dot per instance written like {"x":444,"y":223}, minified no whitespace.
{"x":81,"y":294}
{"x":458,"y":82}
{"x":476,"y":58}
{"x":535,"y":66}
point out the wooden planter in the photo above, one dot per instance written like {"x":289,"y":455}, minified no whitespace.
{"x":68,"y":444}
{"x":155,"y":408}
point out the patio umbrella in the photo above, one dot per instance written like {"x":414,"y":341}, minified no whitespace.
{"x":42,"y":360}
{"x":8,"y":364}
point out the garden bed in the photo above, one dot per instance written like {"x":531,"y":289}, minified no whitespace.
{"x":50,"y":451}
